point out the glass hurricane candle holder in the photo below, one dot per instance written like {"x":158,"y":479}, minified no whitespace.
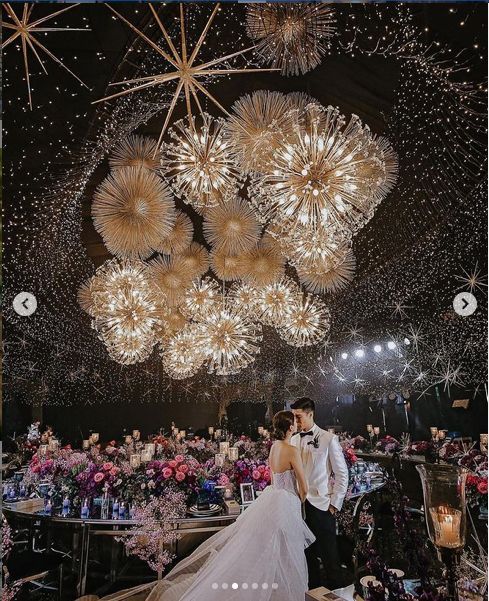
{"x":135,"y":460}
{"x":484,"y":442}
{"x":219,"y":459}
{"x":95,"y":437}
{"x":445,"y":513}
{"x":233,"y":454}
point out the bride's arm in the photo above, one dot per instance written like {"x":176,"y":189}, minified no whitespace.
{"x":298,"y":468}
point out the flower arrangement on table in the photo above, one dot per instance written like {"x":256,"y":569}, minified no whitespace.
{"x":388,"y":444}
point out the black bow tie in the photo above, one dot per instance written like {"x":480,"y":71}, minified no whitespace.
{"x":302,"y":434}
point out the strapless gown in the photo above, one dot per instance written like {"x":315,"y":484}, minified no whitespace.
{"x":259,"y":557}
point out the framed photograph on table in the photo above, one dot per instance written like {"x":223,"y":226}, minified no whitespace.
{"x":247,"y":493}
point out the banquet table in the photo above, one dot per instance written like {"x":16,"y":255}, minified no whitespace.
{"x":85,"y":530}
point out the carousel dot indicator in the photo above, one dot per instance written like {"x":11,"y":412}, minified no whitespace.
{"x":235,"y":585}
{"x":215,"y":586}
{"x":224,"y":585}
{"x":244,"y":586}
{"x":254,"y":586}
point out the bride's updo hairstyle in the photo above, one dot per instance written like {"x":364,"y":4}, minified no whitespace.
{"x":281,"y":424}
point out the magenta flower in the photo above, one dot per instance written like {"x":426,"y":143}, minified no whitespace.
{"x":180,"y":476}
{"x":167,"y":472}
{"x":98,"y":477}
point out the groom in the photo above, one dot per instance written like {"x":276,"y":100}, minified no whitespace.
{"x":321,"y":455}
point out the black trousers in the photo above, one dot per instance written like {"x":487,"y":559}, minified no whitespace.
{"x":323,"y":526}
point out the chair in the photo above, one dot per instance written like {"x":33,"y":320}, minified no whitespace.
{"x":35,"y":571}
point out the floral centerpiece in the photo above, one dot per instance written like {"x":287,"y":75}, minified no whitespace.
{"x":388,"y":444}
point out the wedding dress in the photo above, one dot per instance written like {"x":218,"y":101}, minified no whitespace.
{"x":259,"y":557}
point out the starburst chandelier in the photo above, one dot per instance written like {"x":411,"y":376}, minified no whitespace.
{"x":170,"y":277}
{"x":232,"y":228}
{"x":135,"y":151}
{"x":199,"y":163}
{"x":328,"y":275}
{"x":201,"y":299}
{"x":228,"y":267}
{"x":180,"y":236}
{"x":230,"y":339}
{"x":273,"y":302}
{"x":307,"y":322}
{"x":133,"y":211}
{"x":181,"y":356}
{"x":126,"y":310}
{"x":329,"y":174}
{"x":26,"y":30}
{"x":292,"y":37}
{"x":264,"y":264}
{"x":189,"y":74}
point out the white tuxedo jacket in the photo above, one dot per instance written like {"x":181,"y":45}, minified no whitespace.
{"x":319,"y":464}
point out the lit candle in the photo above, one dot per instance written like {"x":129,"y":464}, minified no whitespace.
{"x":370,"y":428}
{"x":446,"y":525}
{"x":217,"y":434}
{"x":183,"y":433}
{"x":265,"y":433}
{"x":224,"y":448}
{"x":331,"y":430}
{"x":376,"y":430}
{"x":128,"y":439}
{"x":434,"y":431}
{"x":233,"y":454}
{"x":145,"y":456}
{"x":86,"y":444}
{"x":149,"y":447}
{"x":95,"y":437}
{"x":441,"y":434}
{"x":483,"y":441}
{"x":135,"y":460}
{"x":43,"y":449}
{"x":136,"y":434}
{"x":219,"y":459}
{"x":211,"y":430}
{"x":260,"y":430}
{"x":53,"y":444}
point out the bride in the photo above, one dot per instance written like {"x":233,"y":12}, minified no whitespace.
{"x":261,"y":555}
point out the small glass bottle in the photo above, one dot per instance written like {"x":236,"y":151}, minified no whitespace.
{"x":65,"y":512}
{"x":122,"y":511}
{"x":115,"y":510}
{"x":48,"y":508}
{"x":104,"y":510}
{"x":85,"y":510}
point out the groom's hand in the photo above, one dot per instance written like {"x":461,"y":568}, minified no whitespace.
{"x":333,"y":509}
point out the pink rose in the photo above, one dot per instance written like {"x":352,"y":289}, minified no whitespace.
{"x":183,"y":468}
{"x":114,"y":471}
{"x":180,"y":476}
{"x":98,"y":477}
{"x":261,"y":469}
{"x":482,"y":487}
{"x":107,"y":466}
{"x":179,"y":458}
{"x":256,"y":475}
{"x":266,"y":474}
{"x":167,"y":472}
{"x":172,"y":464}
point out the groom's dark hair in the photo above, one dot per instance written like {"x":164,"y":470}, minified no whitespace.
{"x":304,"y":403}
